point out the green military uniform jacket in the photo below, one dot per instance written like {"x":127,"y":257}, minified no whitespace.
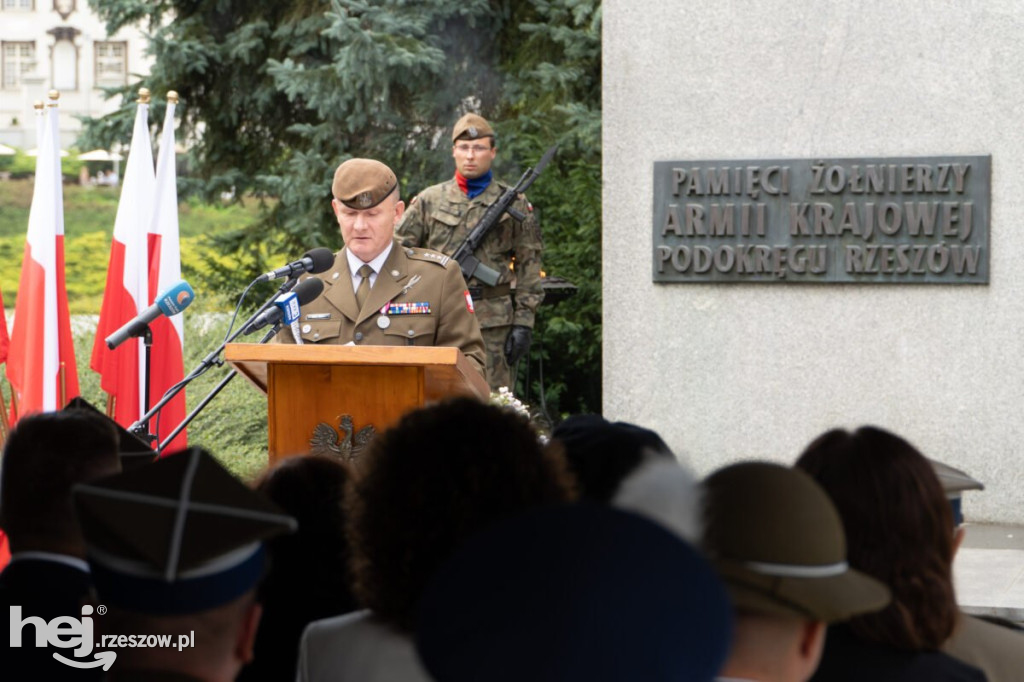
{"x":442,"y":216}
{"x":444,"y":318}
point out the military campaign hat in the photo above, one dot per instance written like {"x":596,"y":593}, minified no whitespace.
{"x":181,"y":535}
{"x":954,"y":483}
{"x":778,"y":543}
{"x":471,"y":127}
{"x":132,"y":450}
{"x":363,"y":183}
{"x":574,"y":592}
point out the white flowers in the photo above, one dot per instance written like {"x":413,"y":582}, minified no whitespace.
{"x":505,"y":398}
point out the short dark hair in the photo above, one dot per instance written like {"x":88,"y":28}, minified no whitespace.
{"x":45,"y":456}
{"x":601,"y":454}
{"x":310,"y":488}
{"x":899,"y":529}
{"x":441,"y":474}
{"x":308,"y":577}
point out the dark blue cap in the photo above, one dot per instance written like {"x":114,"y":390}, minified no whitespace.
{"x":578,"y":592}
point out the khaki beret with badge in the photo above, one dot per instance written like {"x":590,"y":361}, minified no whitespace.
{"x":471,"y":127}
{"x":363,"y":183}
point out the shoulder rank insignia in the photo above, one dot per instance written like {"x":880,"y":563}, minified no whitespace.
{"x":433,"y":256}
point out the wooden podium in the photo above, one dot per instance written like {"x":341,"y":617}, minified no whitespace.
{"x":314,"y":389}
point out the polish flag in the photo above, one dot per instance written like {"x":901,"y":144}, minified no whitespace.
{"x":5,"y":341}
{"x":167,"y":367}
{"x":5,"y":554}
{"x":122,"y":371}
{"x":41,"y":358}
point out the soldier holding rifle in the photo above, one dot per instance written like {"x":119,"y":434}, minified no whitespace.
{"x":507,"y":252}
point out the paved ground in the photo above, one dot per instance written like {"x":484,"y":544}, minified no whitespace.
{"x":989,"y":571}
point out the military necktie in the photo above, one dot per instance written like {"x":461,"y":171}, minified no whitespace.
{"x":363,"y":292}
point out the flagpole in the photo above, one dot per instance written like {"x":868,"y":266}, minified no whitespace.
{"x":62,"y":377}
{"x":63,"y":386}
{"x":4,"y":426}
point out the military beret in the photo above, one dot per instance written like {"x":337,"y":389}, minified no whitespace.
{"x":363,"y":183}
{"x":471,"y":127}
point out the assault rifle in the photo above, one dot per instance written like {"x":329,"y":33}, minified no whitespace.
{"x":470,"y":264}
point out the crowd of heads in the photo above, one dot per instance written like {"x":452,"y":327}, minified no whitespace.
{"x":475,"y":548}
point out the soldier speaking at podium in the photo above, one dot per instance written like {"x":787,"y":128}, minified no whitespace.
{"x":442,"y":217}
{"x":379,"y":292}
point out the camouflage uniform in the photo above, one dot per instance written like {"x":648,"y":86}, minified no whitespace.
{"x":441,"y":218}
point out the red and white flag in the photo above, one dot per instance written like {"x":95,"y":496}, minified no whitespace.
{"x":5,"y":553}
{"x":167,"y":367}
{"x":5,"y":340}
{"x":41,"y":359}
{"x":122,"y":371}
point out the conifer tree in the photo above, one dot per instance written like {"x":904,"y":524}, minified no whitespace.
{"x":275,"y":93}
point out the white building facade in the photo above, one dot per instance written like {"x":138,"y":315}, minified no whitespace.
{"x":61,"y":45}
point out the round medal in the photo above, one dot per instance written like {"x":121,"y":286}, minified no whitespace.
{"x":383,"y":321}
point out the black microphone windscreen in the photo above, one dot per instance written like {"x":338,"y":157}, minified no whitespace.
{"x":308,"y":289}
{"x":323,"y":259}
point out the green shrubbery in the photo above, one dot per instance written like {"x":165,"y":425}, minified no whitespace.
{"x":89,"y":214}
{"x":21,"y":166}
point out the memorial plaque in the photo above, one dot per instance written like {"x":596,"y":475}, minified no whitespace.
{"x":904,"y":220}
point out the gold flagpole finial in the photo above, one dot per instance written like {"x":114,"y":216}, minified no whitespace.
{"x":39,"y":105}
{"x":143,"y":96}
{"x":172,"y":96}
{"x":54,"y":95}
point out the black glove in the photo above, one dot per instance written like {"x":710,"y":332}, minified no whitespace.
{"x":517,"y":343}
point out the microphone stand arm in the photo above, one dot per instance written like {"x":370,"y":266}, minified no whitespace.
{"x":211,"y":395}
{"x":142,"y":425}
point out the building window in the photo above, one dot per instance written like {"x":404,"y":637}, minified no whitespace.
{"x":64,"y":65}
{"x":111,"y":64}
{"x":19,"y":60}
{"x":19,"y":5}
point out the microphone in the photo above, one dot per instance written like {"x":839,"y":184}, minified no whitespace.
{"x":285,"y":307}
{"x":315,"y":260}
{"x":170,"y":302}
